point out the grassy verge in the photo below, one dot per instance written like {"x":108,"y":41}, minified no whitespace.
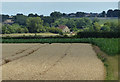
{"x":112,"y":68}
{"x":110,"y":63}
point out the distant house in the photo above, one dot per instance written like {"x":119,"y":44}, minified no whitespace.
{"x":8,"y":21}
{"x":64,"y":28}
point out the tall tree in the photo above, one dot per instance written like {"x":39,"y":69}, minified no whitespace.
{"x":31,"y":15}
{"x":56,"y":14}
{"x":110,"y":13}
{"x":103,"y":14}
{"x":20,"y":19}
{"x":105,"y":28}
{"x":96,"y":27}
{"x":116,"y":13}
{"x":80,"y":14}
{"x":34,"y":24}
{"x":95,"y":20}
{"x":48,"y":20}
{"x":4,"y":17}
{"x":64,"y":15}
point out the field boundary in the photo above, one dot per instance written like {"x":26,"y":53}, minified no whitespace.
{"x":101,"y":55}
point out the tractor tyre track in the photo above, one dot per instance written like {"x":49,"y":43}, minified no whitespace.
{"x":65,"y":54}
{"x":7,"y":60}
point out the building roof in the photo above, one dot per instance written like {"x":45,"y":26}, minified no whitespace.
{"x":8,"y":21}
{"x":62,"y":27}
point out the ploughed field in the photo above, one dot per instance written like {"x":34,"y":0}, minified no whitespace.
{"x":57,"y":61}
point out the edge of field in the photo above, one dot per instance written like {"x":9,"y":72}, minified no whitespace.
{"x":110,"y":63}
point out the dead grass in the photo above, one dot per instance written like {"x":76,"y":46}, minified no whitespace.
{"x":29,"y":34}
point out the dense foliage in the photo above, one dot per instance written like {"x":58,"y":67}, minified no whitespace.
{"x":98,"y":35}
{"x":76,"y":22}
{"x":15,"y":28}
{"x":32,"y":25}
{"x":37,"y":25}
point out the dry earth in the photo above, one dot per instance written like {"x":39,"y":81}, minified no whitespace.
{"x":74,"y":61}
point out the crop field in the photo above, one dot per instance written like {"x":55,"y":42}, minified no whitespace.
{"x":56,"y":61}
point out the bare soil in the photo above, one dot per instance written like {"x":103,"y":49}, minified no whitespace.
{"x":74,"y":61}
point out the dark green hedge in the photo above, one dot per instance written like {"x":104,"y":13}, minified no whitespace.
{"x":98,"y":34}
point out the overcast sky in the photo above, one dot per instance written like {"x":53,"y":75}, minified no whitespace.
{"x":45,"y":8}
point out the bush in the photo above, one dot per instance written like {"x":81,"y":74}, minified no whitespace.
{"x":102,"y":57}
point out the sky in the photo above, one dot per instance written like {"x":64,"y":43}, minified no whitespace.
{"x":59,"y":0}
{"x":45,"y":8}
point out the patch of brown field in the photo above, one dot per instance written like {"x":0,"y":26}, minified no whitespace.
{"x":59,"y":61}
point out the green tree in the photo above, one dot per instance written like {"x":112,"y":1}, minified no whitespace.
{"x":56,"y":14}
{"x":20,"y":30}
{"x":95,"y":20}
{"x":105,"y":28}
{"x":114,"y":26}
{"x":86,"y":29}
{"x":80,"y":14}
{"x":4,"y":17}
{"x":71,"y":24}
{"x":110,"y":13}
{"x":48,"y":20}
{"x":83,"y":22}
{"x":20,"y":19}
{"x":34,"y":24}
{"x":14,"y":28}
{"x":25,"y":30}
{"x":55,"y":30}
{"x":97,"y":27}
{"x":31,"y":15}
{"x":4,"y":29}
{"x":0,"y":28}
{"x":108,"y":24}
{"x":58,"y":22}
{"x":103,"y":14}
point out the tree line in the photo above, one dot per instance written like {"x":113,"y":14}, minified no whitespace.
{"x":37,"y":25}
{"x":55,"y":14}
{"x":34,"y":23}
{"x":30,"y":25}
